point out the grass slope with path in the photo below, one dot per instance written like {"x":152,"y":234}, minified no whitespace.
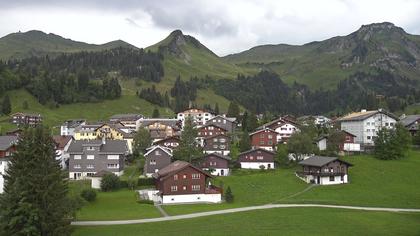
{"x":290,"y":221}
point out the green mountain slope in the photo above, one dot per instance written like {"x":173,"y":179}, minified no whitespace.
{"x":37,"y":43}
{"x":186,"y":56}
{"x":325,"y":63}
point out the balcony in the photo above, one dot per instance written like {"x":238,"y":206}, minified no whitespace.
{"x":314,"y":173}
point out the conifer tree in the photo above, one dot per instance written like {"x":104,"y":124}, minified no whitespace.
{"x":155,"y":113}
{"x":233,"y":110}
{"x":6,"y":107}
{"x":245,"y":142}
{"x":216,"y":109}
{"x":35,"y":198}
{"x":188,"y":149}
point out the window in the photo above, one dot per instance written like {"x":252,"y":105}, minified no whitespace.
{"x":184,"y":188}
{"x":386,"y":124}
{"x":152,"y":162}
{"x":331,"y":169}
{"x":261,"y":142}
{"x":195,"y":176}
{"x":174,"y":188}
{"x":368,"y":137}
{"x":222,"y":140}
{"x":391,"y":124}
{"x":90,"y":157}
{"x":270,"y":142}
{"x":77,"y":157}
{"x":332,"y":178}
{"x":90,"y":166}
{"x":270,"y":136}
{"x":222,"y":147}
{"x":175,"y":177}
{"x":261,"y":135}
{"x":215,"y":146}
{"x":77,"y":166}
{"x":113,"y":157}
{"x":157,"y":153}
{"x":184,"y":176}
{"x":195,"y":188}
{"x":215,"y":140}
{"x":113,"y":166}
{"x":260,"y":158}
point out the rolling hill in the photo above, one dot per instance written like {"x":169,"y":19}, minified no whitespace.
{"x":37,"y":43}
{"x":381,"y":46}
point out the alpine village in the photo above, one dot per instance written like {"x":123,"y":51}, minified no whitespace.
{"x":321,"y":138}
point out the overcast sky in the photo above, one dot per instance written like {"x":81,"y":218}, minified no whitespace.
{"x":225,"y":26}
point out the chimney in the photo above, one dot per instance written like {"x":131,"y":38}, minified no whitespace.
{"x":363,"y":110}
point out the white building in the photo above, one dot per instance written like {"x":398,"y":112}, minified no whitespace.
{"x":4,"y":163}
{"x":68,"y":127}
{"x":199,"y":116}
{"x":284,"y":127}
{"x":366,"y":124}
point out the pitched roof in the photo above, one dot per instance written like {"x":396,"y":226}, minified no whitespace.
{"x":62,"y":140}
{"x":280,"y":119}
{"x":175,"y":167}
{"x":261,"y":130}
{"x":218,"y":155}
{"x":73,"y":123}
{"x":152,"y":148}
{"x":410,"y":119}
{"x":231,"y":119}
{"x":256,"y":149}
{"x":362,"y":115}
{"x":7,"y":141}
{"x":320,"y":161}
{"x":208,"y":124}
{"x":110,"y":146}
{"x":174,"y":123}
{"x":168,"y":138}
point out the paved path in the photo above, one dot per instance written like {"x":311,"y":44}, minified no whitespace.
{"x":233,"y":210}
{"x":160,"y":209}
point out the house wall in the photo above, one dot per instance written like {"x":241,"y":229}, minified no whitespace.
{"x":161,"y":158}
{"x":266,"y":139}
{"x":4,"y":164}
{"x":7,"y":152}
{"x":219,"y":171}
{"x":199,"y":117}
{"x":285,"y":131}
{"x":322,"y":144}
{"x":192,"y":198}
{"x":256,"y":165}
{"x":224,"y":123}
{"x":210,"y":130}
{"x":96,"y":182}
{"x":217,"y":144}
{"x":256,"y":156}
{"x":165,"y":185}
{"x":325,"y":180}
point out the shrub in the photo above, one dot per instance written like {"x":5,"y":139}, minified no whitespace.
{"x":262,"y":167}
{"x":110,"y":182}
{"x":88,"y":194}
{"x":145,"y":182}
{"x":132,"y":183}
{"x":229,"y":195}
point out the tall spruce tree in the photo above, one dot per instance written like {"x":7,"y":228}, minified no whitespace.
{"x":35,"y":198}
{"x":188,"y":149}
{"x":233,"y":110}
{"x":245,"y":142}
{"x":6,"y":107}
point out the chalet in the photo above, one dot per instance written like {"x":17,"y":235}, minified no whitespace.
{"x":181,"y":182}
{"x":26,"y":119}
{"x":160,"y":128}
{"x":365,"y":124}
{"x":216,"y":164}
{"x":7,"y":145}
{"x":199,"y":117}
{"x":284,"y":127}
{"x":210,"y":130}
{"x":128,"y":120}
{"x":324,"y":170}
{"x":69,"y":126}
{"x":255,"y":158}
{"x":169,"y":142}
{"x":264,"y":138}
{"x":217,"y":144}
{"x":87,"y":157}
{"x":411,"y":123}
{"x":156,"y":158}
{"x":347,"y":144}
{"x":227,"y":123}
{"x":62,"y":145}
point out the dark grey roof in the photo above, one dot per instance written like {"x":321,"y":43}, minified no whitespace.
{"x":319,"y":161}
{"x":218,"y":155}
{"x":73,"y":123}
{"x":410,"y":119}
{"x":256,"y":149}
{"x":231,"y":119}
{"x":110,"y":146}
{"x":7,"y":141}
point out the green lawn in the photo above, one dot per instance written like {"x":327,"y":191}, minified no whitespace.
{"x":130,"y":171}
{"x":118,"y":205}
{"x":291,"y":221}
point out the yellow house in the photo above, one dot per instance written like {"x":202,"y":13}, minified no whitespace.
{"x":107,"y":131}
